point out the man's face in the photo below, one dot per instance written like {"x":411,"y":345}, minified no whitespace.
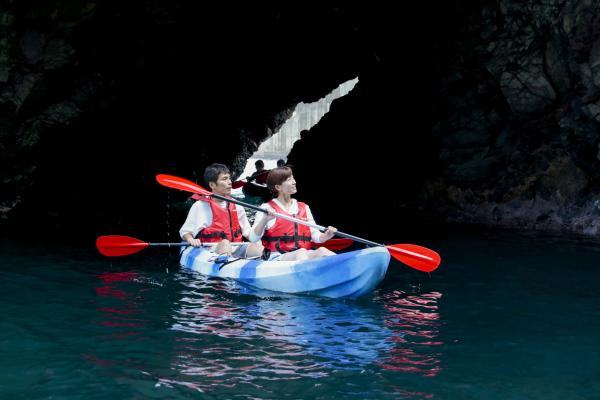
{"x":222,"y":186}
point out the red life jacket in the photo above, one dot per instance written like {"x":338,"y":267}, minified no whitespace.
{"x":225,"y":224}
{"x":286,"y":236}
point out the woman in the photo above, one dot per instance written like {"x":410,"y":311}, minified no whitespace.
{"x":285,"y":240}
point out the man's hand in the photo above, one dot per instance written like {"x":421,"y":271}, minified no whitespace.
{"x":194,"y":242}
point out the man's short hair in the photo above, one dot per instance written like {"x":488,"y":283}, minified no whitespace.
{"x":212,"y":172}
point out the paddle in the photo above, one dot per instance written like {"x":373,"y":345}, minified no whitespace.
{"x":117,"y":245}
{"x":417,"y":257}
{"x":333,"y":244}
{"x":242,"y":183}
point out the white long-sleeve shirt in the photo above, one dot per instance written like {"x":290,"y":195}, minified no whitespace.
{"x":314,"y":233}
{"x":200,"y":217}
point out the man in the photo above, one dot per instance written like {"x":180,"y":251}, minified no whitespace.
{"x":216,"y":221}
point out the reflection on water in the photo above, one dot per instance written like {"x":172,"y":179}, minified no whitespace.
{"x":136,"y":332}
{"x":123,"y":313}
{"x":220,"y":337}
{"x":416,"y":320}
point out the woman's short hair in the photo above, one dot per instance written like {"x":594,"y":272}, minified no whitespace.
{"x":277,"y":176}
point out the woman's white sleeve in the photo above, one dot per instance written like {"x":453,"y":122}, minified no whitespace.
{"x":315,"y":234}
{"x":244,"y":224}
{"x":259,"y":217}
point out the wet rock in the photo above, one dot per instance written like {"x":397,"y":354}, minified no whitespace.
{"x":7,"y":61}
{"x":57,"y":54}
{"x":527,"y":90}
{"x":32,"y":46}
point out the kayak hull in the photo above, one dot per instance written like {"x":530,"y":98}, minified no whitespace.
{"x":351,"y":274}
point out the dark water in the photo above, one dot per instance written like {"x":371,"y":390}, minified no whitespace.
{"x":505,"y":317}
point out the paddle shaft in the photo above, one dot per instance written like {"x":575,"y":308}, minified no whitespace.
{"x":298,"y":221}
{"x":182,"y":244}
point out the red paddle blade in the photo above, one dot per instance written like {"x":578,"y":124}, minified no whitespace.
{"x":417,"y":257}
{"x":181,"y":184}
{"x":116,"y":246}
{"x":334,"y":244}
{"x":238,"y":184}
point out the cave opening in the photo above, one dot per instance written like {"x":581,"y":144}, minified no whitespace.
{"x":303,"y":118}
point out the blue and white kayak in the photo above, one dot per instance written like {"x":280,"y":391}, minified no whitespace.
{"x":350,"y":274}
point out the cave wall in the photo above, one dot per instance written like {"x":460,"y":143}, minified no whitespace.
{"x":512,"y":138}
{"x":516,"y":115}
{"x":480,"y":113}
{"x":98,"y":97}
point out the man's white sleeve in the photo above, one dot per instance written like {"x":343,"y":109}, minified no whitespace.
{"x":198,"y":218}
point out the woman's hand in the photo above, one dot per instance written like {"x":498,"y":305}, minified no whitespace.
{"x":270,"y":215}
{"x":329,"y":233}
{"x":224,"y":247}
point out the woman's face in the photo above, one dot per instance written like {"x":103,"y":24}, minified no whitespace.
{"x":288,"y":186}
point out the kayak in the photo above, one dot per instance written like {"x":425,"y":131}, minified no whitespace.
{"x":350,"y":274}
{"x":252,"y":189}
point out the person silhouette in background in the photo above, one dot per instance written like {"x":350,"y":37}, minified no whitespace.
{"x":260,"y":175}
